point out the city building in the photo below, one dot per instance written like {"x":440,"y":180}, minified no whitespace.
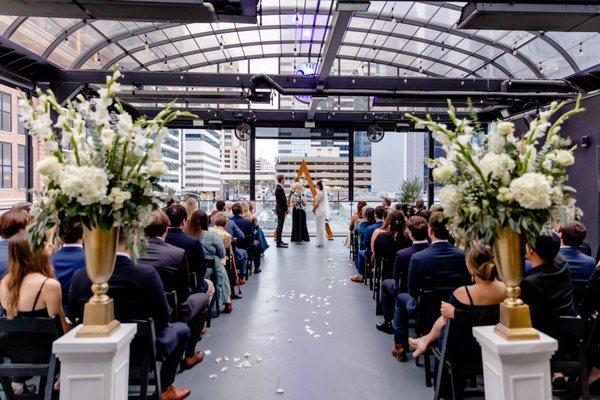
{"x":172,"y":157}
{"x":202,"y":160}
{"x":234,"y":155}
{"x":265,"y":165}
{"x":332,"y":170}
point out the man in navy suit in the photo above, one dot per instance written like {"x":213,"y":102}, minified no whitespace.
{"x":440,"y":265}
{"x":281,"y":209}
{"x":172,"y":267}
{"x":12,"y":222}
{"x":365,"y":254}
{"x":581,"y":266}
{"x":248,"y":244}
{"x":69,"y":258}
{"x":194,"y":252}
{"x":138,"y":293}
{"x":417,"y":232}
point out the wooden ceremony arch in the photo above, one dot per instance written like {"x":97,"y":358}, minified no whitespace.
{"x":305,"y":173}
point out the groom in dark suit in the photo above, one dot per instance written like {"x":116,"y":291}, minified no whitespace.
{"x":281,"y":208}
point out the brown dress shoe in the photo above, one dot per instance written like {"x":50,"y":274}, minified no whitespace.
{"x":357,"y":278}
{"x":228,"y":308}
{"x":190,"y":362}
{"x":399,"y":352}
{"x":173,"y":393}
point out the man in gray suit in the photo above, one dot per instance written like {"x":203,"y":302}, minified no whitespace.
{"x":173,"y":269}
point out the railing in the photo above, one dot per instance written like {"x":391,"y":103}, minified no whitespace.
{"x":265,"y":212}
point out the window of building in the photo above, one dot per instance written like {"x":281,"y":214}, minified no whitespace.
{"x":21,"y":167}
{"x":20,"y":123}
{"x":6,"y":110}
{"x":6,"y":165}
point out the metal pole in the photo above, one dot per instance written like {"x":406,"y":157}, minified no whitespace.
{"x":431,"y":183}
{"x":351,"y":165}
{"x":253,"y":164}
{"x":28,"y":163}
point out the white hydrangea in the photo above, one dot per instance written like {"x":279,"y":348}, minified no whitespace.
{"x":532,"y":191}
{"x":86,"y":184}
{"x":504,"y":194}
{"x":157,"y":169}
{"x":49,"y":168}
{"x":496,"y":142}
{"x":505,"y":128}
{"x":444,"y":172}
{"x":450,"y":198}
{"x":117,"y":197}
{"x":497,"y":166}
{"x":107,"y":136}
{"x":561,"y":157}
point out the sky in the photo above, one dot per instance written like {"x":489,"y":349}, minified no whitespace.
{"x":267,"y":149}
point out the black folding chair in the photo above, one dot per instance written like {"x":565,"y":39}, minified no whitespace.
{"x":28,"y":342}
{"x":377,"y":284}
{"x":144,"y":370}
{"x":573,"y":335}
{"x":173,"y":301}
{"x":580,"y":287}
{"x":457,"y":361}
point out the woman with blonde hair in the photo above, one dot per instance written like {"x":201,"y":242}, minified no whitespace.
{"x":219,"y":228}
{"x":479,"y":299}
{"x":191,"y":205}
{"x":298,"y":203}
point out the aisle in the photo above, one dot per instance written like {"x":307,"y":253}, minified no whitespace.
{"x":335,"y":351}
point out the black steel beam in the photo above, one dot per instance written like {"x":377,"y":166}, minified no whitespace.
{"x":192,"y":97}
{"x":351,"y":165}
{"x":253,"y":164}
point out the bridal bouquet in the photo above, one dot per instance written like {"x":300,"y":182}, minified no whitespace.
{"x":516,"y":181}
{"x":102,"y":168}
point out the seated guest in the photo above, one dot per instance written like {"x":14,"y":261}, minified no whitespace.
{"x":11,"y":223}
{"x":482,"y":297}
{"x":29,"y":288}
{"x":365,"y":253}
{"x":214,"y":251}
{"x":138,"y":293}
{"x":174,"y":272}
{"x":389,"y":242}
{"x":248,"y":243}
{"x":386,"y":203}
{"x":69,"y":258}
{"x":589,"y":305}
{"x":241,"y":256}
{"x":440,"y":265}
{"x":219,"y":228}
{"x":192,"y":246}
{"x":357,"y":216}
{"x":191,"y":205}
{"x":417,"y":233}
{"x":262,"y":240}
{"x":425,"y":213}
{"x":546,"y":288}
{"x":367,"y":220}
{"x":581,"y":266}
{"x":419,"y":206}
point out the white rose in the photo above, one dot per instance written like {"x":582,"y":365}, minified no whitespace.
{"x":157,"y":169}
{"x":532,"y":191}
{"x":497,"y":166}
{"x":505,"y":128}
{"x":450,"y":198}
{"x":117,"y":197}
{"x":561,"y":157}
{"x":444,"y":172}
{"x":86,"y":184}
{"x":49,"y":167}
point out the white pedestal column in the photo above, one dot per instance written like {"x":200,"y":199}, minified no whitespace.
{"x":94,"y":368}
{"x":515,"y":370}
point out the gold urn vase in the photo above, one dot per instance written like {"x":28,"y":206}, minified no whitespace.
{"x":100,"y":248}
{"x":509,"y":255}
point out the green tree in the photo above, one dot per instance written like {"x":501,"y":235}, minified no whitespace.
{"x":410,"y":190}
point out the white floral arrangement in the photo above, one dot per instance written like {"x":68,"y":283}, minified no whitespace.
{"x":102,"y":168}
{"x":516,"y":181}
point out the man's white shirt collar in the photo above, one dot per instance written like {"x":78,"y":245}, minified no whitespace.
{"x":73,"y":245}
{"x":124,"y":254}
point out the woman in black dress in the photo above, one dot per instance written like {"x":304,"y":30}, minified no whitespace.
{"x":298,"y":202}
{"x":390,"y":241}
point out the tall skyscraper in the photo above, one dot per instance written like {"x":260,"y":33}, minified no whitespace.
{"x":234,"y":155}
{"x":172,"y":157}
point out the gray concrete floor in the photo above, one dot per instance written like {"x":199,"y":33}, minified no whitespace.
{"x":351,"y":362}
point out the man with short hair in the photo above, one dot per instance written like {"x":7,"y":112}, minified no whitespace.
{"x":581,"y":266}
{"x":386,"y":202}
{"x":69,"y":258}
{"x":248,"y":243}
{"x":172,"y":267}
{"x":12,"y":222}
{"x":365,"y":254}
{"x":281,"y":209}
{"x":138,"y":293}
{"x":440,"y":265}
{"x":417,"y":232}
{"x":546,"y":288}
{"x":419,"y":205}
{"x":192,"y":246}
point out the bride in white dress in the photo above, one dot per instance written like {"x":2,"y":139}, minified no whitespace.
{"x":321,"y":211}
